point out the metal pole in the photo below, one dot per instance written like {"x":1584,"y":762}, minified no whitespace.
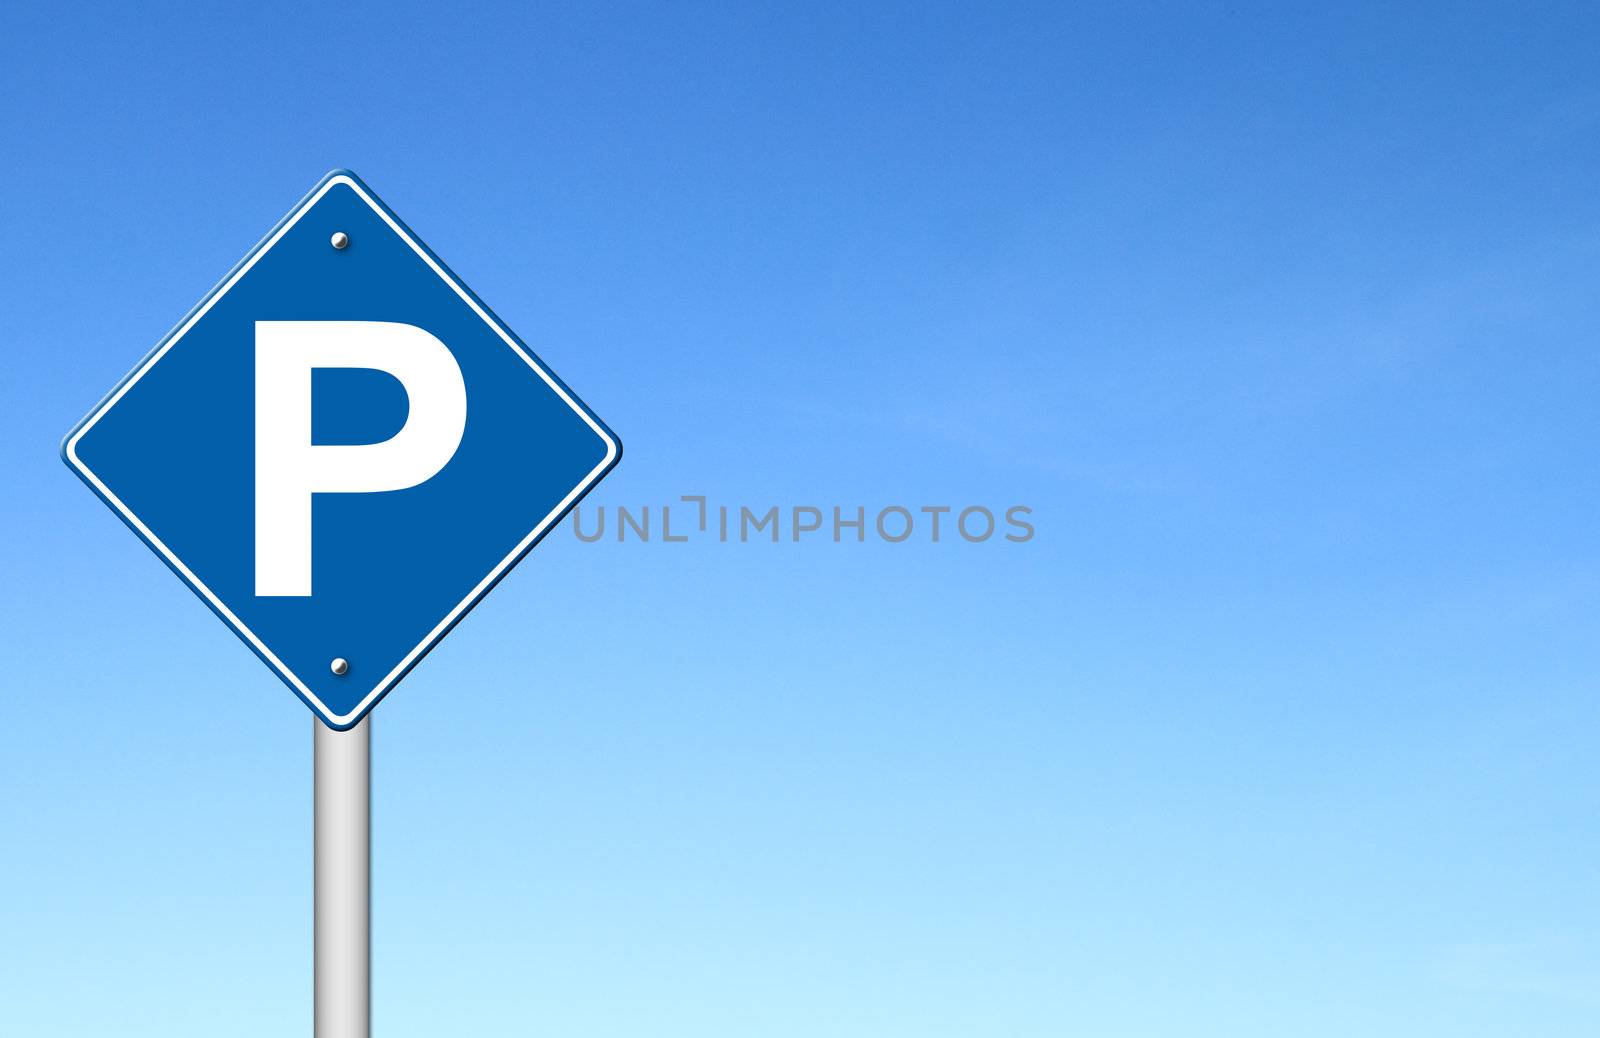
{"x":343,"y":768}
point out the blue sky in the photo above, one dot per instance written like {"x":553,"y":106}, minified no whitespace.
{"x":1280,"y":319}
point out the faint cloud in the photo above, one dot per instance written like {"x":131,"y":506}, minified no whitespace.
{"x":1564,"y":969}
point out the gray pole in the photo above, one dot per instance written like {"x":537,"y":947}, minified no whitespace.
{"x":343,"y":766}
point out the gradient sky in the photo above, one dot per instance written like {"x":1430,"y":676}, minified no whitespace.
{"x":1282,"y":320}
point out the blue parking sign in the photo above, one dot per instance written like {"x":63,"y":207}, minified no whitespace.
{"x":341,"y":449}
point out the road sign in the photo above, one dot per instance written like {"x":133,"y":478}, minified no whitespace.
{"x":341,"y":449}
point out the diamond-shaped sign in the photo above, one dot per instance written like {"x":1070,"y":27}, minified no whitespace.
{"x":341,"y":449}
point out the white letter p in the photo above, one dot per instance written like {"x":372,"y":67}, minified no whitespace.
{"x":289,"y":468}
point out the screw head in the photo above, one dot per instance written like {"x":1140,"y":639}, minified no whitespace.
{"x":339,"y":666}
{"x":339,"y":240}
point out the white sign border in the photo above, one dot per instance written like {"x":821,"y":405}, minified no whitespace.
{"x":69,"y":452}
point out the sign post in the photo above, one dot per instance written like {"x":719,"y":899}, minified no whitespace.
{"x":343,"y":881}
{"x":341,"y":450}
